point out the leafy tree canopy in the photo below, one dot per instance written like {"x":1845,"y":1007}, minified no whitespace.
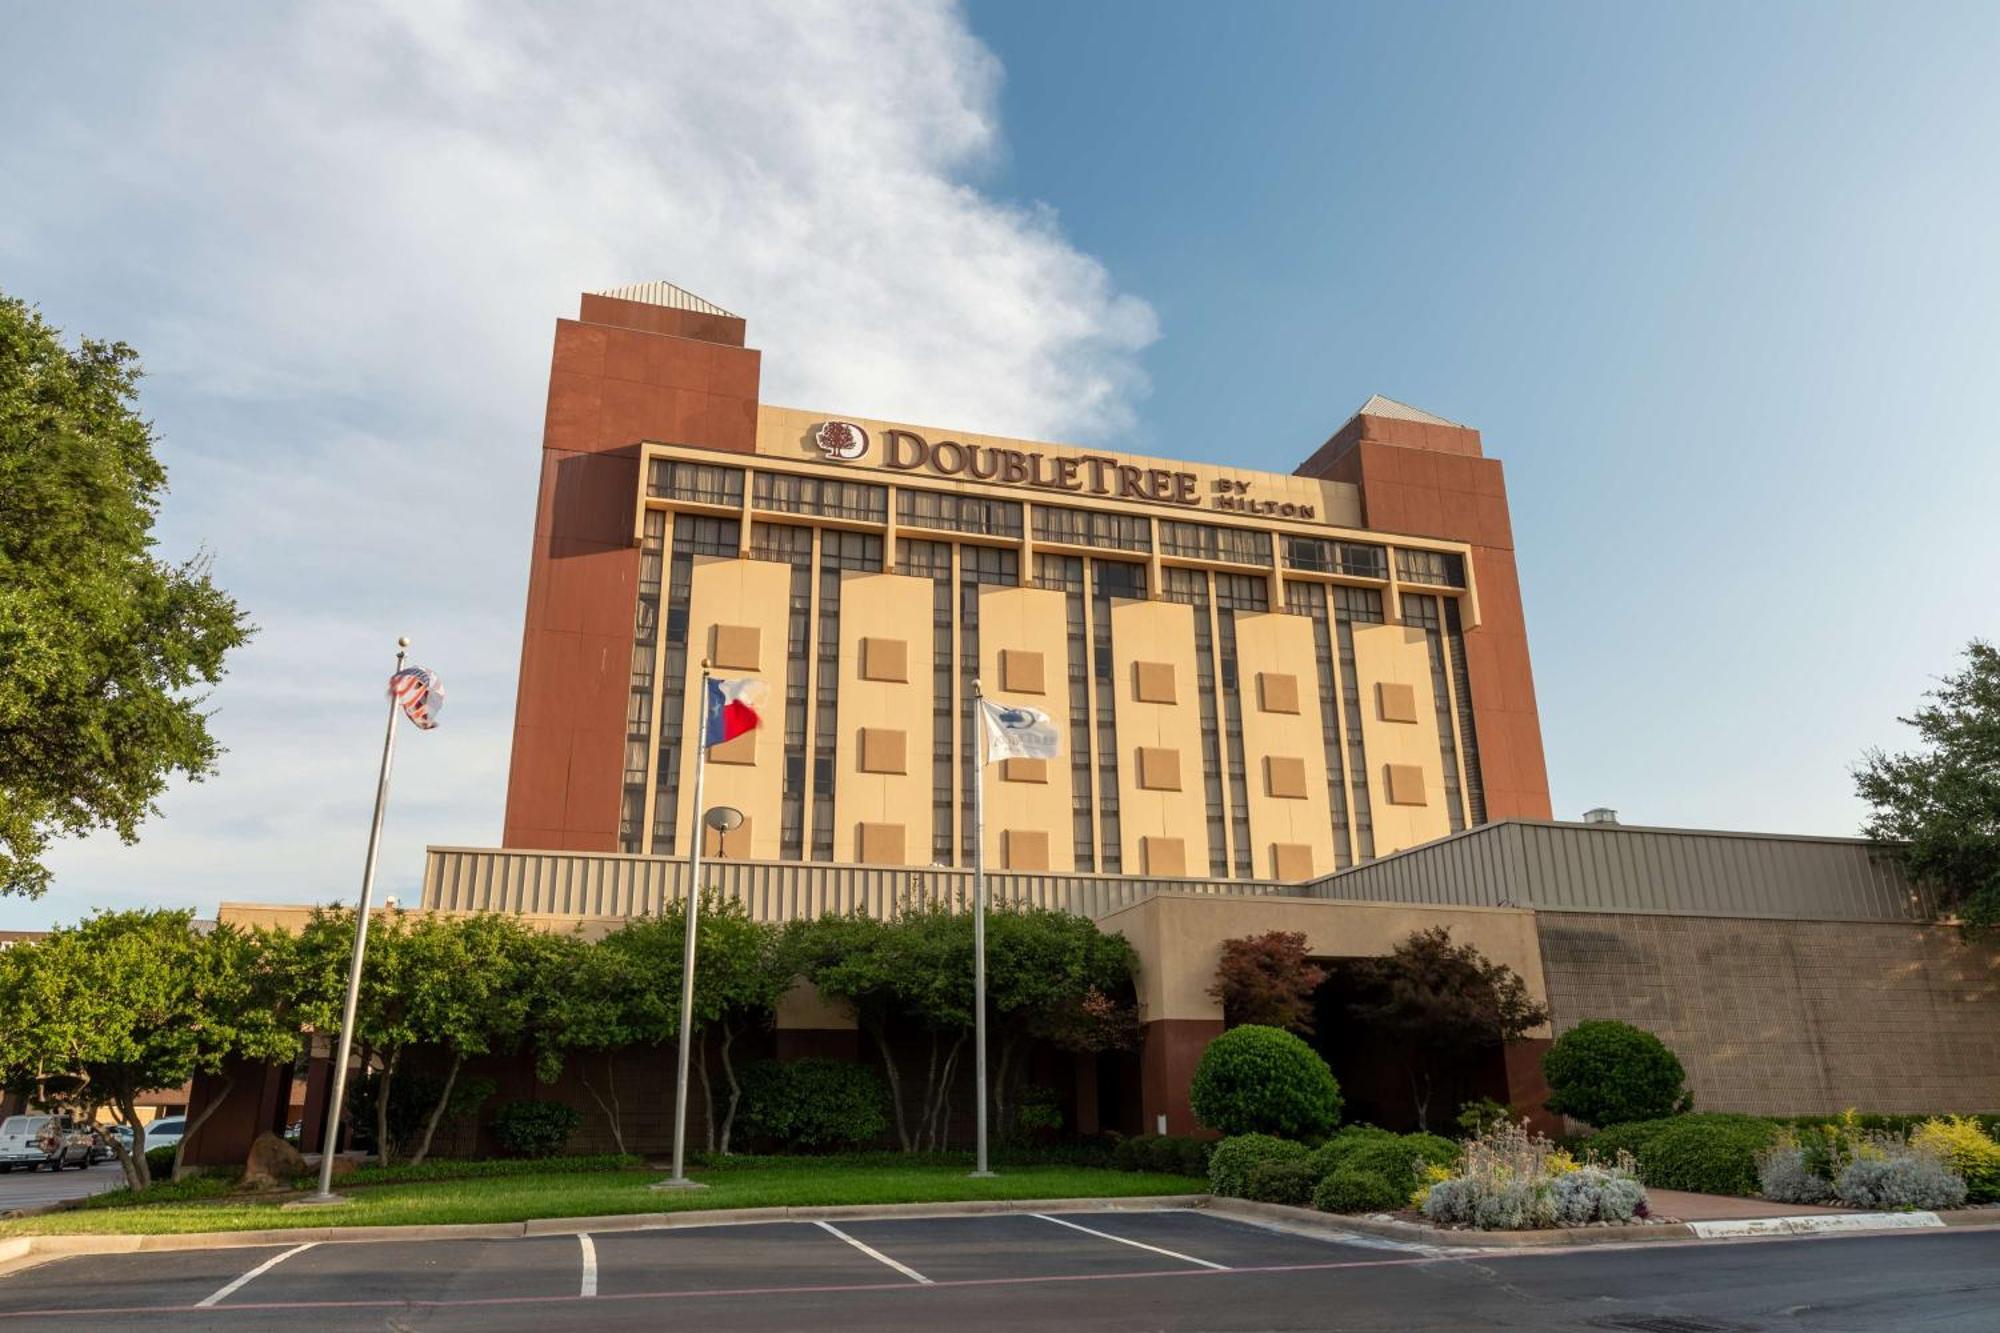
{"x":129,"y":1001}
{"x":1940,"y":804}
{"x":105,"y":649}
{"x":1267,"y":980}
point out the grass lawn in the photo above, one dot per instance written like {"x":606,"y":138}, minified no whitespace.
{"x":521,"y":1195}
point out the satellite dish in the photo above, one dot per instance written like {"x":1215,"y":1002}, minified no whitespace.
{"x":723,"y":818}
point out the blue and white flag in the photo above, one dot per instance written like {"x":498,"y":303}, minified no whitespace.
{"x":1016,"y":732}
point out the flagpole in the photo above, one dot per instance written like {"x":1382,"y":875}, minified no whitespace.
{"x":979,"y":754}
{"x":679,"y":1179}
{"x":345,"y":1048}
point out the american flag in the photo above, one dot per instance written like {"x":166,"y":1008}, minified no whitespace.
{"x":417,"y":690}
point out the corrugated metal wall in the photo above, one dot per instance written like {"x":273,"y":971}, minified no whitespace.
{"x":468,"y":879}
{"x":1619,"y":868}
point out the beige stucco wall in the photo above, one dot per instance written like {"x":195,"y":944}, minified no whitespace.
{"x":1400,"y":655}
{"x":884,"y":606}
{"x":1283,"y":645}
{"x":1179,"y":940}
{"x":1028,"y":620}
{"x":1158,"y":632}
{"x":754,"y":593}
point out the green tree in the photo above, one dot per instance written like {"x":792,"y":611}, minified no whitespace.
{"x":1055,"y":977}
{"x":105,"y":649}
{"x":455,"y":983}
{"x":1605,"y":1072}
{"x":1267,"y":980}
{"x":130,"y":1001}
{"x":1939,"y":807}
{"x":585,"y":998}
{"x":1446,"y":1003}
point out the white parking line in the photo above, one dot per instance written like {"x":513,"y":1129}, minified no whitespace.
{"x":1136,"y":1244}
{"x":874,"y":1253}
{"x":256,"y":1272}
{"x":589,"y":1264}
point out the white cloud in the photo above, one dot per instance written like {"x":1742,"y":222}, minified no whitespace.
{"x":340,"y":236}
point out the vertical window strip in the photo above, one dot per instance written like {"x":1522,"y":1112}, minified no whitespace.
{"x":1309,"y":599}
{"x":1109,"y":578}
{"x":1191,"y":586}
{"x":787,"y":544}
{"x":932,"y":560}
{"x":1351,"y":605}
{"x":1064,"y":574}
{"x":1475,"y":784}
{"x":1420,"y":610}
{"x":977,"y":565}
{"x":693,"y":535}
{"x":1233,"y":593}
{"x":639,"y":707}
{"x":838,"y":552}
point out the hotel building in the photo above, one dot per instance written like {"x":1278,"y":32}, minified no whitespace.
{"x":1257,"y":676}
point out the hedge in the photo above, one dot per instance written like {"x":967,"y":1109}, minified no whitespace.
{"x":1395,"y":1160}
{"x":813,"y":1104}
{"x":1171,"y":1154}
{"x":1230,"y":1165}
{"x":1706,"y":1154}
{"x":1351,"y":1191}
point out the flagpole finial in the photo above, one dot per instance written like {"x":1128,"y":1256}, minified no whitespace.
{"x":403,"y":642}
{"x":978,"y":687}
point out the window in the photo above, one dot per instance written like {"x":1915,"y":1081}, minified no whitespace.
{"x":1206,"y":541}
{"x":827,"y":496}
{"x":693,"y":535}
{"x":1357,"y":559}
{"x":1442,"y":569}
{"x":703,"y":483}
{"x":958,"y":513}
{"x":1088,"y":527}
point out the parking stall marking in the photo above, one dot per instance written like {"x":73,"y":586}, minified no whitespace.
{"x":874,"y":1253}
{"x":589,"y":1264}
{"x":224,"y":1292}
{"x":1136,"y":1244}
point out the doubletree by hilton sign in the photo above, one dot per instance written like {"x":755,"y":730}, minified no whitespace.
{"x":1078,"y":474}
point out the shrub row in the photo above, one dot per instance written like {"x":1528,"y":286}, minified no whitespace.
{"x":1360,"y":1169}
{"x":1706,"y":1154}
{"x":1169,"y":1154}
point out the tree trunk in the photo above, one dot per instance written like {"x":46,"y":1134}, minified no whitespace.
{"x":895,"y":1085}
{"x":1000,"y":1084}
{"x":188,"y":1131}
{"x":735,"y":1089}
{"x":384,"y":1151}
{"x":1420,"y":1093}
{"x":924,"y":1117}
{"x":939,"y":1111}
{"x":137,"y":1176}
{"x":437,"y":1112}
{"x":610,"y":1110}
{"x":707,"y":1093}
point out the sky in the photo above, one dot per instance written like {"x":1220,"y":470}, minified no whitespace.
{"x":1716,"y":282}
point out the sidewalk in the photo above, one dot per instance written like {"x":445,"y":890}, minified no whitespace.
{"x":1685,"y":1207}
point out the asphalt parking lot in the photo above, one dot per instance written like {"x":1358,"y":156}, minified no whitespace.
{"x":1167,"y":1269}
{"x":29,"y":1189}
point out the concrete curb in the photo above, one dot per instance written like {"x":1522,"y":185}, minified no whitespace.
{"x":25,"y":1251}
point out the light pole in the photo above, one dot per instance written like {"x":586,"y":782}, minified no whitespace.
{"x":724,"y":819}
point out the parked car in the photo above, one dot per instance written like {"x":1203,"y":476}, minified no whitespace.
{"x":165,"y":1132}
{"x":33,"y":1141}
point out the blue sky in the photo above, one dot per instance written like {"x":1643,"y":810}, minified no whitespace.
{"x":1716,"y":282}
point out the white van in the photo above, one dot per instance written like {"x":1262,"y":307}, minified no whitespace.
{"x":24,"y":1142}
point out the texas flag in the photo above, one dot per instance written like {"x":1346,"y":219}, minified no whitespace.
{"x":732,"y":709}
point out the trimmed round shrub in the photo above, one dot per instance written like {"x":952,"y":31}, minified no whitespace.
{"x":1400,"y":1159}
{"x":1605,"y":1073}
{"x":1351,"y":1191}
{"x":160,"y":1162}
{"x":1333,"y":1154}
{"x":1259,"y":1080}
{"x":813,"y":1104}
{"x":535,"y":1129}
{"x":1707,"y":1154}
{"x":1288,"y":1180}
{"x":1230,"y":1165}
